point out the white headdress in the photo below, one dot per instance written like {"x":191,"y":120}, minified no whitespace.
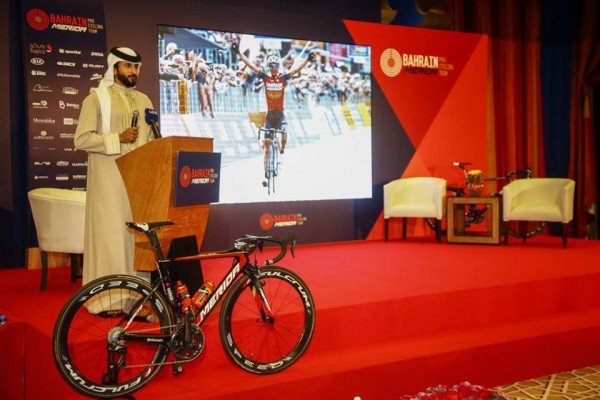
{"x":117,"y":54}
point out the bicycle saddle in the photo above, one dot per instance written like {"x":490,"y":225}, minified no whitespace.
{"x":147,"y":226}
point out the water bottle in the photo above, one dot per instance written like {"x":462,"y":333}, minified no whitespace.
{"x":184,"y":296}
{"x":202,"y":294}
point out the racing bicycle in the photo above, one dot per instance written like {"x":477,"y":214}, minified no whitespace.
{"x":115,"y":333}
{"x":272,"y":164}
{"x":271,"y":148}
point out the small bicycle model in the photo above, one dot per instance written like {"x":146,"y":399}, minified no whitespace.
{"x":475,"y":214}
{"x":116,"y":332}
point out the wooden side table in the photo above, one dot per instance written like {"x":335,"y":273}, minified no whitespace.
{"x":486,"y":232}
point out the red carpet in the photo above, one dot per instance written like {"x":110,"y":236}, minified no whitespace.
{"x":393,"y":318}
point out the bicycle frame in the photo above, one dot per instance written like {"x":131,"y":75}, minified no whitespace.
{"x":238,"y":256}
{"x":228,"y":279}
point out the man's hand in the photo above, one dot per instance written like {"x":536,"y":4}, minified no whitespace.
{"x":129,"y":135}
{"x":235,"y":48}
{"x":312,"y":55}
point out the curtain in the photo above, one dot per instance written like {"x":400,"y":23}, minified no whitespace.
{"x":515,"y":105}
{"x":516,"y":111}
{"x":586,"y":74}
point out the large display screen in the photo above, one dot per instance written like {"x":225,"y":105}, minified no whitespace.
{"x":209,"y":90}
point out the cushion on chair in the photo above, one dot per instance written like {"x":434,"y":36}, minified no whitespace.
{"x":419,"y":197}
{"x":59,"y":217}
{"x":539,"y":199}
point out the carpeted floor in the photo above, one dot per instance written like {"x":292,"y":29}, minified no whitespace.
{"x":393,"y":318}
{"x":579,"y":384}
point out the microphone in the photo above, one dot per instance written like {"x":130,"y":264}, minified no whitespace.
{"x":134,"y":118}
{"x":152,"y":119}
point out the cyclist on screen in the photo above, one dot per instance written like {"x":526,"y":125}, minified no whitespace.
{"x":274,"y":85}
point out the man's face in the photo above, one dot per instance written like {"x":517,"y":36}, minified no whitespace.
{"x":126,"y":73}
{"x":274,"y":68}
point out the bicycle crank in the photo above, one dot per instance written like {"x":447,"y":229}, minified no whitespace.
{"x":187,"y":349}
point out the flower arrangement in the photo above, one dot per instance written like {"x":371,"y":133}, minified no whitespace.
{"x":462,"y":391}
{"x":475,"y":182}
{"x":475,"y":176}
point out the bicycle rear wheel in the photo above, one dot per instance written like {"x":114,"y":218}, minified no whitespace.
{"x":525,"y":229}
{"x":257,"y":343}
{"x":91,"y":346}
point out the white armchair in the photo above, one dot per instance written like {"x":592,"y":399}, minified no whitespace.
{"x":539,"y":199}
{"x":59,"y":217}
{"x":420,"y":197}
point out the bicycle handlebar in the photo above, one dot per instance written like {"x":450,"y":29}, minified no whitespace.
{"x":261,"y":129}
{"x":522,"y":173}
{"x":249,"y":243}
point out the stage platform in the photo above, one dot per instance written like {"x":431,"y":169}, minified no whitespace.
{"x":392,"y":318}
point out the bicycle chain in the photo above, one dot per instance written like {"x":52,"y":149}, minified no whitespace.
{"x":162,"y":363}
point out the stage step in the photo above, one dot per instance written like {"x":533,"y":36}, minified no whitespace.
{"x":391,"y":320}
{"x":562,"y":341}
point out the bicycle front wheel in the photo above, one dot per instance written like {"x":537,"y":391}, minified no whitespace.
{"x":273,"y":168}
{"x":261,"y":343}
{"x":99,"y":349}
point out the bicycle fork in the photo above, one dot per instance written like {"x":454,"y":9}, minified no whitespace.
{"x":260,"y":298}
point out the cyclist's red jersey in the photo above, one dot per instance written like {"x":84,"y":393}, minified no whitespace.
{"x":274,"y":89}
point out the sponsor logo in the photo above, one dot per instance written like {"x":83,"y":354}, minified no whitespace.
{"x":196,"y":176}
{"x":96,"y":77}
{"x":214,"y":298}
{"x":64,"y":105}
{"x":41,"y":88}
{"x":97,"y":54}
{"x":79,"y":164}
{"x":69,"y":90}
{"x":67,"y":136}
{"x":37,"y":61}
{"x":38,"y":19}
{"x":67,"y":51}
{"x":79,"y":177}
{"x":65,"y":63}
{"x":70,"y":121}
{"x":41,"y":163}
{"x":73,"y":76}
{"x":393,"y":63}
{"x":68,"y":23}
{"x":268,"y":220}
{"x":62,"y":163}
{"x":62,"y":177}
{"x":40,"y":177}
{"x":40,"y":105}
{"x":95,"y":66}
{"x":36,"y":72}
{"x":44,"y":121}
{"x":40,"y":48}
{"x":43,"y":136}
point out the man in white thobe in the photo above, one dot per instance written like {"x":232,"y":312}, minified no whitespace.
{"x":105,"y":131}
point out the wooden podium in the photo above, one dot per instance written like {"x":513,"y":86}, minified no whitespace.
{"x":149,"y":173}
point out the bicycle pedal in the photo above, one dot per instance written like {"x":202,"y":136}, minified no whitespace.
{"x":177,"y":368}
